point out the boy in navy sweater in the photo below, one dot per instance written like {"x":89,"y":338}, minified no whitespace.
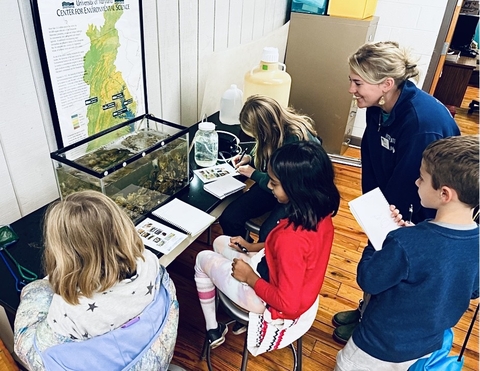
{"x":423,"y":278}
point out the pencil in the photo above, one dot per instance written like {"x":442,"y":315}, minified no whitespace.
{"x":410,"y":210}
{"x":243,"y":154}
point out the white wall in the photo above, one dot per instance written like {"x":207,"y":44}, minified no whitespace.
{"x":181,"y":39}
{"x":184,"y":39}
{"x":414,"y":24}
{"x":26,"y":176}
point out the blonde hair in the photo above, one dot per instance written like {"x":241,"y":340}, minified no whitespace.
{"x":374,"y":62}
{"x":269,"y":123}
{"x":90,"y":245}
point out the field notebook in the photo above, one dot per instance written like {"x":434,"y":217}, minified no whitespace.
{"x":372,"y":212}
{"x":224,"y":187}
{"x":185,"y":217}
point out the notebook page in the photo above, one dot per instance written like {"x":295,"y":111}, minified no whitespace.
{"x":224,"y":187}
{"x":372,"y":212}
{"x":185,"y":217}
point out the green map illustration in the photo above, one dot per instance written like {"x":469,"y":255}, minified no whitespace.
{"x":112,"y":102}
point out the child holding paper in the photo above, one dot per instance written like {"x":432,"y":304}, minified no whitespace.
{"x":423,"y":278}
{"x":283,"y":287}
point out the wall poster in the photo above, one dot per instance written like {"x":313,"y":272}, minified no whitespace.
{"x":93,"y":63}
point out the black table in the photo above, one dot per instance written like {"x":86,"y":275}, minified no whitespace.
{"x":28,"y":249}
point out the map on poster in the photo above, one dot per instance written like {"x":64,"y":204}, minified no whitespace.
{"x":94,"y":55}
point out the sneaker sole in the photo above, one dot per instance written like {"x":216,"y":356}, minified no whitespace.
{"x":220,"y":340}
{"x":241,"y":331}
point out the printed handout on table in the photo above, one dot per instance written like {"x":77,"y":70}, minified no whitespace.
{"x":158,"y":236}
{"x":209,"y":174}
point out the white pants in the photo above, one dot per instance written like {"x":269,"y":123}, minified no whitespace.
{"x":352,"y":358}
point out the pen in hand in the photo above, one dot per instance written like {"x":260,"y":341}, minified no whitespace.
{"x":242,"y":154}
{"x":243,"y":248}
{"x":410,"y":211}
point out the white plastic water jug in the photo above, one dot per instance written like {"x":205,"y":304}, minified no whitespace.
{"x":269,"y":78}
{"x":231,"y":105}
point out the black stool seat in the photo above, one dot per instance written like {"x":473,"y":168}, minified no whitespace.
{"x":473,"y":106}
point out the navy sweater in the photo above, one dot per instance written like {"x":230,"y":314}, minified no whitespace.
{"x":421,"y":284}
{"x":392,"y":150}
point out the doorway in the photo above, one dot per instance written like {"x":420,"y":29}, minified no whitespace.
{"x":441,"y":46}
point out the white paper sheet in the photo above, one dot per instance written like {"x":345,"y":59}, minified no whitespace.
{"x":372,"y":212}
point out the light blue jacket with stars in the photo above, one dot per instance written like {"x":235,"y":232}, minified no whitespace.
{"x":146,"y":343}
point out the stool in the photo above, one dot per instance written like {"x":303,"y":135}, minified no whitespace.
{"x":241,"y":315}
{"x":473,"y":106}
{"x":253,"y":226}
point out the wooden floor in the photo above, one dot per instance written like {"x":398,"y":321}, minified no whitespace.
{"x":339,"y":292}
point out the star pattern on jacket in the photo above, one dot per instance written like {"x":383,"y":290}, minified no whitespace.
{"x":91,"y":307}
{"x":149,"y":289}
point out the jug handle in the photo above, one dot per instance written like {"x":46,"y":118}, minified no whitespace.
{"x":284,"y":67}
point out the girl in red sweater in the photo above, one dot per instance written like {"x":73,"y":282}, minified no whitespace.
{"x":278,"y":281}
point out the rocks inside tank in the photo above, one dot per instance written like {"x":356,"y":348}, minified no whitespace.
{"x":141,"y":185}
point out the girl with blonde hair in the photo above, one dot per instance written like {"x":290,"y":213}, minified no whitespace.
{"x":103,"y":290}
{"x":272,"y":126}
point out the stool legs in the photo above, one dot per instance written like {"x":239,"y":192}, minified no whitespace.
{"x":245,"y":354}
{"x":299,"y":356}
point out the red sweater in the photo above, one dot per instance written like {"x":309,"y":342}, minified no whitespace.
{"x":297,"y":262}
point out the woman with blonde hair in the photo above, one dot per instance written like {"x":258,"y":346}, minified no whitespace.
{"x":272,"y":126}
{"x":103,"y":291}
{"x":401,"y":121}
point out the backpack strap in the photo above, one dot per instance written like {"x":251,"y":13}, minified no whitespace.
{"x":467,"y":336}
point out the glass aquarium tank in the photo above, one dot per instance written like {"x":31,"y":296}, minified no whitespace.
{"x":139,"y":164}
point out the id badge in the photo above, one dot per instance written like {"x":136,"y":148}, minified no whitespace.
{"x":385,"y":142}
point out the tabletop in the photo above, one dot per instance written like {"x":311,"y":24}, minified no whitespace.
{"x":28,"y":250}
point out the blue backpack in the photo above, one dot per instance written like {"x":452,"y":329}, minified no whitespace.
{"x":119,"y":349}
{"x":439,"y":360}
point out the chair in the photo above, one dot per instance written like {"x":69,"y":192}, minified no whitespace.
{"x":241,"y":315}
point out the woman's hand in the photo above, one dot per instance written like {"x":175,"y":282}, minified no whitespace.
{"x":242,"y":272}
{"x":398,"y":218}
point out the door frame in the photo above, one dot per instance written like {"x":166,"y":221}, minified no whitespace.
{"x":445,"y":34}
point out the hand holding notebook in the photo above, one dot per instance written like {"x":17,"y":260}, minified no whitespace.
{"x":372,"y":212}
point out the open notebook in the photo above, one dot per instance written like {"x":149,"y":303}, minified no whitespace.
{"x":185,"y":217}
{"x":372,"y":212}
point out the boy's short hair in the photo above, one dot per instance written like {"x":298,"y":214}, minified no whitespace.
{"x":453,"y":162}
